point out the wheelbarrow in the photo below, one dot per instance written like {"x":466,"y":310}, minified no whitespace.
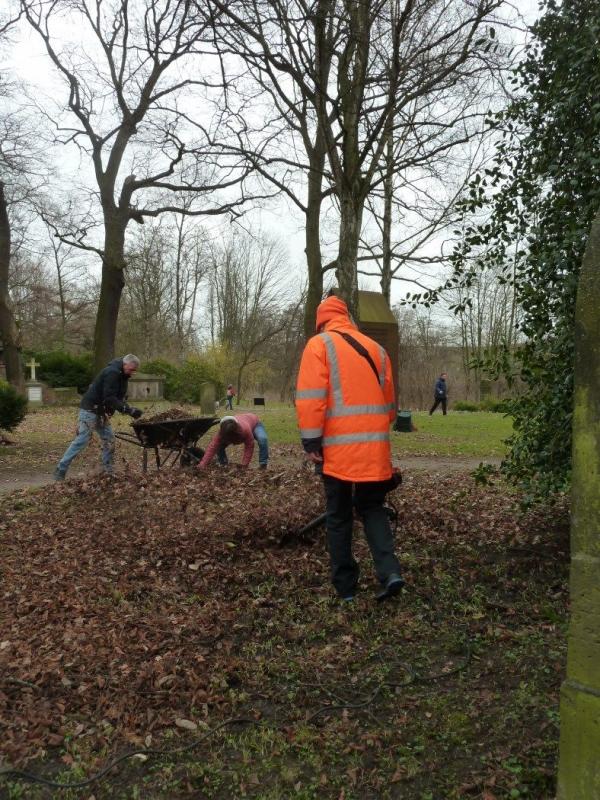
{"x":174,"y":441}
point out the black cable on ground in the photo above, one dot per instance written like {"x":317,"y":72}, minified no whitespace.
{"x":32,"y":778}
{"x":413,"y":677}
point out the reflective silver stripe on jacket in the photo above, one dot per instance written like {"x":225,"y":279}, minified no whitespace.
{"x":339,"y":409}
{"x":311,"y":394}
{"x":350,"y":411}
{"x":351,"y":438}
{"x":310,"y":433}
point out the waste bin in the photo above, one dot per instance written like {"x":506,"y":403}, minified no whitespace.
{"x":403,"y":422}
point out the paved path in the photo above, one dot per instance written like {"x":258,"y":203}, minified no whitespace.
{"x":11,"y":482}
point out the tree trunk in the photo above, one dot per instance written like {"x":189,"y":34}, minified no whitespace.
{"x":111,"y":289}
{"x":63,"y":305}
{"x":8,"y":326}
{"x":350,"y":223}
{"x":579,"y":764}
{"x":388,"y":194}
{"x":239,"y":387}
{"x":314,"y":292}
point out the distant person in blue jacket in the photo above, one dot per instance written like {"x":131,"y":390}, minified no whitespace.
{"x":440,"y":394}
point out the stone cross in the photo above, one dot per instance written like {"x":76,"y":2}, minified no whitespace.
{"x":32,"y":365}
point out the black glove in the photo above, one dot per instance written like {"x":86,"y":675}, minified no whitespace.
{"x":136,"y":413}
{"x":393,"y":482}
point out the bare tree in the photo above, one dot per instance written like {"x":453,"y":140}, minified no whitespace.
{"x":487,"y":319}
{"x":17,"y":166}
{"x":248,"y":297}
{"x":166,"y":264}
{"x":74,"y":293}
{"x":125,"y":75}
{"x":354,"y":69}
{"x":8,"y":328}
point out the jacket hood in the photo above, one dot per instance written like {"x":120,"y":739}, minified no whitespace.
{"x":116,"y":363}
{"x":333,"y":309}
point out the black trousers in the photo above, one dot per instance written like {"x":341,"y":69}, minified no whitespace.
{"x":436,"y":403}
{"x":368,"y":499}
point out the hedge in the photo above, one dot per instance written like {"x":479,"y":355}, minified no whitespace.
{"x":58,"y":368}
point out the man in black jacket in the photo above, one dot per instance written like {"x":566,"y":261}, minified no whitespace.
{"x":440,"y":394}
{"x":106,"y":394}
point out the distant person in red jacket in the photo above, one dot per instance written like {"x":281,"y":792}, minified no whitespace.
{"x":229,"y":397}
{"x":242,"y":429}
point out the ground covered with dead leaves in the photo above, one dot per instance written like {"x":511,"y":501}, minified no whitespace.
{"x":141,"y":613}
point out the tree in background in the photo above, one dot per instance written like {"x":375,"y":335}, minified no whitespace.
{"x":17,"y":162}
{"x":166,"y":264}
{"x":487,"y":317}
{"x":125,"y":71}
{"x":344,"y":77}
{"x":75,"y":294}
{"x":539,"y":198}
{"x":247,"y":299}
{"x":11,"y":340}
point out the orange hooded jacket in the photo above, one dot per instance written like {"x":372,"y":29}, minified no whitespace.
{"x":343,"y":408}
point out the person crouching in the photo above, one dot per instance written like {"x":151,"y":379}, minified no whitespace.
{"x":240,"y":429}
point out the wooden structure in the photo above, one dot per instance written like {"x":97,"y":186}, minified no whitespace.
{"x":377,"y":321}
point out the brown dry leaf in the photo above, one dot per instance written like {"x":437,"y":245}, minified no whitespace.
{"x":186,"y":724}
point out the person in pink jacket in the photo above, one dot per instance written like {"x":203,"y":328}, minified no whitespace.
{"x":242,"y":429}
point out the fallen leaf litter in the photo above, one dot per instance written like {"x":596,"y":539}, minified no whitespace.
{"x":127,"y":603}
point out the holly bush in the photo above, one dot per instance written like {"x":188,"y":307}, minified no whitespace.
{"x":528,"y":214}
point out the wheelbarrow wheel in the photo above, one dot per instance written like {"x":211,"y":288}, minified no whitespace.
{"x":191,"y":456}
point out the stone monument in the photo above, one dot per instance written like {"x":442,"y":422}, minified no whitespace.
{"x":143,"y":386}
{"x":579,"y":761}
{"x":34,"y":387}
{"x":208,"y":398}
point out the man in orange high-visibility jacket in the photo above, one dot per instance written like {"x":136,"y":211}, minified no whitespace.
{"x":345,"y":403}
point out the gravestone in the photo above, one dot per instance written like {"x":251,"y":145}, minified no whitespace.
{"x":144,"y":386}
{"x":208,"y":396}
{"x":35,"y":388}
{"x":579,"y":761}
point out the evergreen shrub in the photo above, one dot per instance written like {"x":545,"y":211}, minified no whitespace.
{"x":58,"y":368}
{"x":13,"y":407}
{"x":465,"y":405}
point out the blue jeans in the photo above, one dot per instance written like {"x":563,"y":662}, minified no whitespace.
{"x":229,"y":405}
{"x":260,"y":436}
{"x":88,"y":423}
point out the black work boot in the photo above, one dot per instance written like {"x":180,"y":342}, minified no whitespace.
{"x":391,"y":587}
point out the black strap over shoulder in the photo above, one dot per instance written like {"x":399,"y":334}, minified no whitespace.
{"x":359,"y":349}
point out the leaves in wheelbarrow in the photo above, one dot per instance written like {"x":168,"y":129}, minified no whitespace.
{"x":173,"y":413}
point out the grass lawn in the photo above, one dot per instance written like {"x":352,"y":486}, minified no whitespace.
{"x":459,"y":433}
{"x":46,"y":432}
